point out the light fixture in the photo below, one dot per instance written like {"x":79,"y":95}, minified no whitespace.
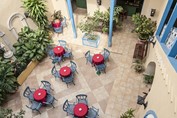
{"x":152,"y":12}
{"x":99,"y":2}
{"x":151,"y":40}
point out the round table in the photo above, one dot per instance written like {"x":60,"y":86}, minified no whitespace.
{"x":98,"y":59}
{"x":65,"y":71}
{"x":40,"y":95}
{"x":58,"y":50}
{"x":80,"y":110}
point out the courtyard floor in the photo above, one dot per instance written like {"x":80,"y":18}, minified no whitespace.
{"x":113,"y":93}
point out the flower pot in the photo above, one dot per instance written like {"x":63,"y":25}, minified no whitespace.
{"x":88,"y":40}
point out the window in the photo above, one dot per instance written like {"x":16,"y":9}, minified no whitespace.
{"x":167,"y":32}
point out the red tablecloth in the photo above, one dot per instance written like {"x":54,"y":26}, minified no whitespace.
{"x":98,"y":59}
{"x":58,"y":50}
{"x":55,"y":25}
{"x":40,"y":95}
{"x":65,"y":71}
{"x":80,"y":110}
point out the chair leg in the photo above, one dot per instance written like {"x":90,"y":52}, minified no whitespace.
{"x":52,"y":105}
{"x":38,"y":111}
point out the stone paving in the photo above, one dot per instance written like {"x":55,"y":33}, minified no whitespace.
{"x":113,"y":93}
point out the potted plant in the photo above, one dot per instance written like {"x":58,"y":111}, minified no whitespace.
{"x":138,"y":66}
{"x":36,"y":10}
{"x":144,"y":26}
{"x":8,"y":113}
{"x":8,"y":81}
{"x":128,"y":114}
{"x":89,"y":38}
{"x":57,"y":18}
{"x":148,"y":79}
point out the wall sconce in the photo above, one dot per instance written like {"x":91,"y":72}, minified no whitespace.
{"x":153,"y":12}
{"x":99,"y":2}
{"x":151,"y":40}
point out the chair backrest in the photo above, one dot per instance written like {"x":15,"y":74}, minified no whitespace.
{"x":66,"y":105}
{"x":87,"y":54}
{"x":56,"y":60}
{"x":81,"y":97}
{"x":62,"y":43}
{"x":54,"y":70}
{"x":64,"y":22}
{"x":106,"y":52}
{"x":46,"y":83}
{"x":73,"y":64}
{"x":51,"y":54}
{"x":27,"y":92}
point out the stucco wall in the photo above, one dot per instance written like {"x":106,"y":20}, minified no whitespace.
{"x":92,"y":6}
{"x":153,"y":4}
{"x":7,"y":8}
{"x":61,"y":5}
{"x":162,"y":98}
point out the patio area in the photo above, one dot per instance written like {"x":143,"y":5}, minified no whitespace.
{"x":113,"y":93}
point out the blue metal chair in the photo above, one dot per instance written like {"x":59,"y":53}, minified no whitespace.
{"x":68,"y":107}
{"x":55,"y":73}
{"x":51,"y":54}
{"x":57,"y":60}
{"x":93,"y":112}
{"x":82,"y":98}
{"x":69,"y":79}
{"x":73,"y":67}
{"x":28,"y":93}
{"x":47,"y":86}
{"x":106,"y":54}
{"x":35,"y":106}
{"x":88,"y":57}
{"x":101,"y":68}
{"x":50,"y":100}
{"x":68,"y":54}
{"x":63,"y":23}
{"x":62,"y":43}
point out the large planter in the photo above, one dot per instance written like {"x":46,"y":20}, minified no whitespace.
{"x":22,"y":77}
{"x":90,"y":42}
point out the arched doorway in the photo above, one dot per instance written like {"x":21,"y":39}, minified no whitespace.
{"x":149,"y":73}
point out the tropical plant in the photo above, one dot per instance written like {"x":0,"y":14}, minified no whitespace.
{"x":36,"y":10}
{"x":138,"y":66}
{"x":57,"y":15}
{"x":144,"y":26}
{"x":8,"y":82}
{"x":128,"y":114}
{"x":31,"y":44}
{"x":148,"y":79}
{"x":8,"y":113}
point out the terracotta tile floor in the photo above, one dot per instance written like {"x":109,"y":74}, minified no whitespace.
{"x":113,"y":93}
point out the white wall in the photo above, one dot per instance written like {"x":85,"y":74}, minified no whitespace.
{"x":153,"y":4}
{"x":92,"y":6}
{"x":161,"y":98}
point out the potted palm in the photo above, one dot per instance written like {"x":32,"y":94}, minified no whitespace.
{"x":144,"y":26}
{"x":89,"y":38}
{"x":57,"y":18}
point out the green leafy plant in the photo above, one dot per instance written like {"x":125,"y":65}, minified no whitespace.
{"x":128,"y":114}
{"x":138,"y":66}
{"x":148,"y":79}
{"x":100,"y":20}
{"x":8,"y":113}
{"x":8,"y":81}
{"x":57,"y":15}
{"x":144,"y":26}
{"x":31,"y":44}
{"x":36,"y":10}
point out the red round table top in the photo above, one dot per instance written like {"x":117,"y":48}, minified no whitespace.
{"x":98,"y":59}
{"x":58,"y":50}
{"x":40,"y":94}
{"x":80,"y":110}
{"x":65,"y":71}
